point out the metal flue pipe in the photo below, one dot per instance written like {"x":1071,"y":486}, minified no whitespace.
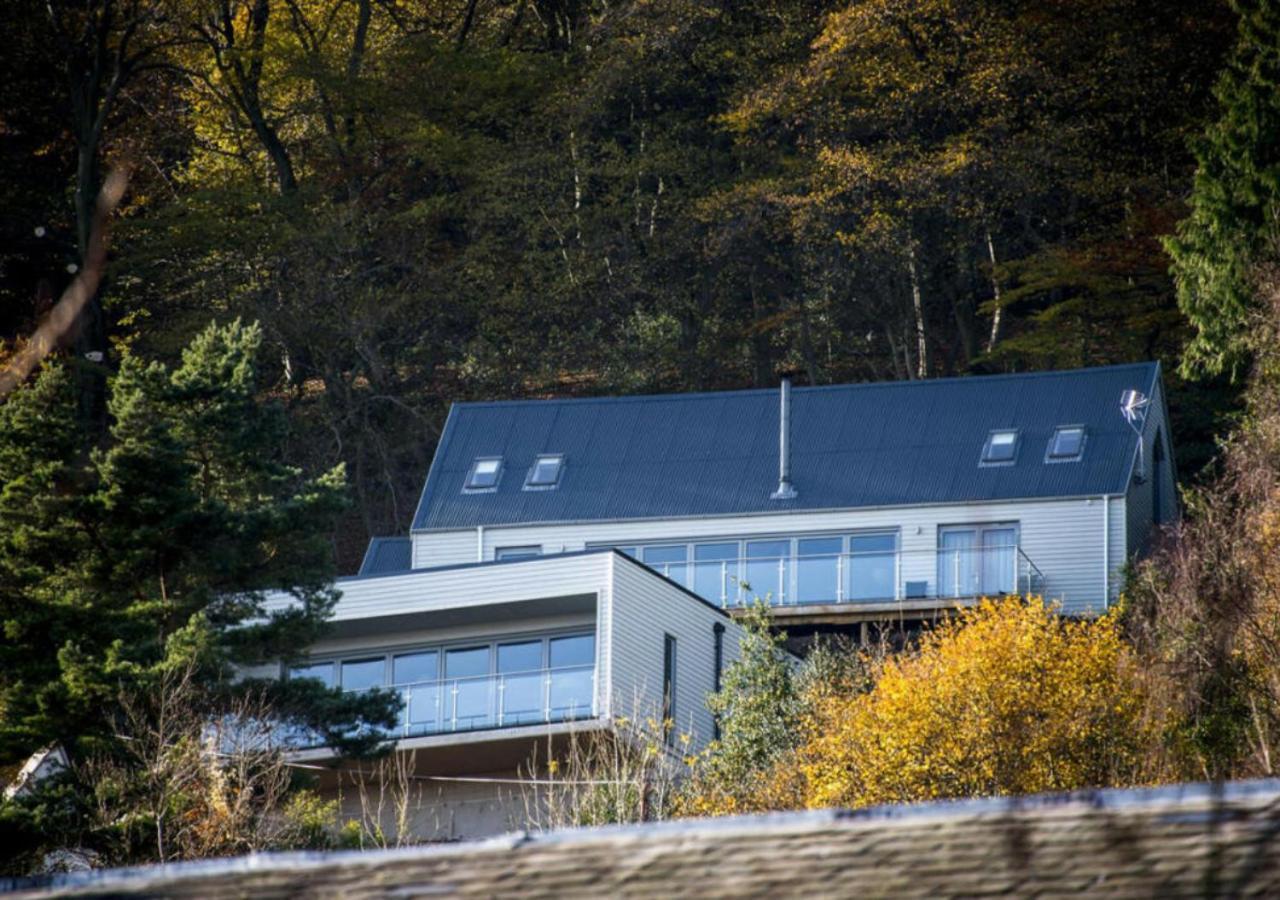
{"x":785,"y":489}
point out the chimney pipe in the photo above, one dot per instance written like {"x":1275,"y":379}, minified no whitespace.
{"x":785,"y":491}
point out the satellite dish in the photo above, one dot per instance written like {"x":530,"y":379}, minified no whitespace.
{"x":1133,"y":406}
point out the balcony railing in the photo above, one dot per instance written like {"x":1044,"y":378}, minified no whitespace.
{"x":864,"y":577}
{"x":507,"y":699}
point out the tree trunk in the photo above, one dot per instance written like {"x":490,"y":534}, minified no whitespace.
{"x":917,"y":305}
{"x":246,"y":81}
{"x":995,"y":292}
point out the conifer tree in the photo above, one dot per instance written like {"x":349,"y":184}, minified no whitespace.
{"x":1234,"y":224}
{"x":154,"y":550}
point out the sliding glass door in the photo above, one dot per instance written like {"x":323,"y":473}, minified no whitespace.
{"x":977,"y":560}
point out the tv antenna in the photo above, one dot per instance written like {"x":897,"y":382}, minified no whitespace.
{"x":1133,"y":406}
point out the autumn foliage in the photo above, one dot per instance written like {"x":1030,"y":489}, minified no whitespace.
{"x":1006,"y":698}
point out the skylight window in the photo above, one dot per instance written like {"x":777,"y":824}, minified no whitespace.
{"x":544,"y":474}
{"x":1001,"y":448}
{"x":484,"y":474}
{"x":1067,"y":444}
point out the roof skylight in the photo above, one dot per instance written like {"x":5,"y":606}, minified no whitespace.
{"x":1001,"y":448}
{"x":544,"y":474}
{"x":484,"y":474}
{"x":1066,"y":445}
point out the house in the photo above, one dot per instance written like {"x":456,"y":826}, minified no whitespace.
{"x":571,"y":561}
{"x":501,"y":663}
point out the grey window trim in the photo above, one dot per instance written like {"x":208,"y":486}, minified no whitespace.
{"x":468,"y":488}
{"x":533,"y":550}
{"x":388,"y":654}
{"x":1049,"y":456}
{"x":529,"y":484}
{"x":983,"y":460}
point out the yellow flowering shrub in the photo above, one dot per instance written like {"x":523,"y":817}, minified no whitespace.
{"x":1006,"y":698}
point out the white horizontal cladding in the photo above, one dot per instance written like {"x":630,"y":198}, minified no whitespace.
{"x":450,"y":548}
{"x":432,"y":590}
{"x":1064,"y":538}
{"x":644,"y":609}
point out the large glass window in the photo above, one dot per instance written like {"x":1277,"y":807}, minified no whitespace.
{"x":999,"y":556}
{"x":469,"y":694}
{"x":322,"y":672}
{"x":873,"y":566}
{"x":977,"y":560}
{"x":521,"y":682}
{"x":575,"y":650}
{"x":768,"y":568}
{"x":818,"y":569}
{"x":670,"y":560}
{"x":956,"y":572}
{"x":417,"y":673}
{"x":570,"y":691}
{"x":362,"y":674}
{"x":715,"y":571}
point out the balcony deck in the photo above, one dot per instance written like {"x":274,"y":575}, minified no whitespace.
{"x":838,"y":588}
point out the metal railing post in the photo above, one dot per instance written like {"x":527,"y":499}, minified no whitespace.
{"x":546,"y":697}
{"x":500,"y":698}
{"x":724,"y":584}
{"x":839,"y":577}
{"x":955,"y":573}
{"x":782,"y":588}
{"x":897,"y":574}
{"x":453,"y":715}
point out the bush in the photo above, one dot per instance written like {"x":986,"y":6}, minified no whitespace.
{"x":1007,"y":698}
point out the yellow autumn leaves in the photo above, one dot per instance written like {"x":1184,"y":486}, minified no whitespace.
{"x":1007,"y":698}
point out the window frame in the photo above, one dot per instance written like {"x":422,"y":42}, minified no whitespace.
{"x":388,"y":653}
{"x":521,"y":551}
{"x":735,"y":597}
{"x":1050,"y":457}
{"x":531,"y":485}
{"x":985,"y":460}
{"x":469,"y":488}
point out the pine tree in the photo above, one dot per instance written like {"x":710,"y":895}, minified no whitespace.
{"x":153,"y":551}
{"x":1234,"y":224}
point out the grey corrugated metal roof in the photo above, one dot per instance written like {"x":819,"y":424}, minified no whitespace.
{"x":386,"y":555}
{"x":875,"y":444}
{"x":1179,"y":841}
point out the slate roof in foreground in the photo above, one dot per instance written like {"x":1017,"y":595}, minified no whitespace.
{"x":858,"y":445}
{"x":1189,"y":841}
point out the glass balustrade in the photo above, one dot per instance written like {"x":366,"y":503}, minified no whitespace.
{"x":967,"y":563}
{"x":500,"y":700}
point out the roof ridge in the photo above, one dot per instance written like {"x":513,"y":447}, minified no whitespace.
{"x":813,"y":388}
